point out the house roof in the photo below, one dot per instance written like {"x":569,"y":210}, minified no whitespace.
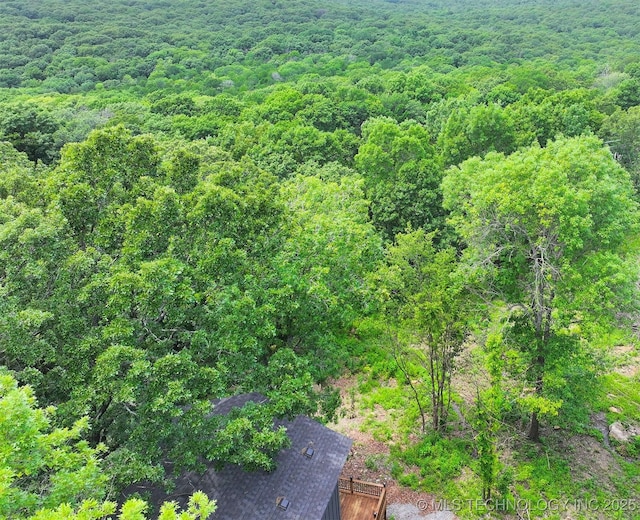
{"x":307,"y":483}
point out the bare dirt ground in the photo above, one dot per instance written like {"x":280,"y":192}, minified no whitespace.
{"x":366,"y":448}
{"x":628,"y":362}
{"x":369,"y":458}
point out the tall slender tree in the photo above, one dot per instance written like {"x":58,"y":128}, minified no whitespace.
{"x":424,"y":298}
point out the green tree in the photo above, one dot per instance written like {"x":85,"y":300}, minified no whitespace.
{"x":18,"y":177}
{"x":621,"y":132}
{"x":476,"y":131}
{"x":541,"y":115}
{"x":548,"y":230}
{"x":97,"y":177}
{"x":485,"y":439}
{"x":424,"y":298}
{"x":330,"y":248}
{"x":136,"y":302}
{"x":30,"y":130}
{"x":50,"y":473}
{"x":402,"y":176}
{"x":628,"y":93}
{"x":40,"y":467}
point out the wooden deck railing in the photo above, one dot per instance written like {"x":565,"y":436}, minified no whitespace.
{"x":360,"y":487}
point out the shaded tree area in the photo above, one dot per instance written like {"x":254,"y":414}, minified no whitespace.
{"x":135,"y":294}
{"x":29,"y":130}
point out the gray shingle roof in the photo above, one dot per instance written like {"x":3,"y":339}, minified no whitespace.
{"x":307,"y":483}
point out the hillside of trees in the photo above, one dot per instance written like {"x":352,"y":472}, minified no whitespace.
{"x":200,"y":199}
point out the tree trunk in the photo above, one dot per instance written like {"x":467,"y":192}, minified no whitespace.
{"x":534,"y":428}
{"x":534,"y":425}
{"x":400,"y":361}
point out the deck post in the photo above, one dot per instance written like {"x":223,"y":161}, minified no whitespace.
{"x":351,"y":485}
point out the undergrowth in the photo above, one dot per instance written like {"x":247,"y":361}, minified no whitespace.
{"x":534,"y":481}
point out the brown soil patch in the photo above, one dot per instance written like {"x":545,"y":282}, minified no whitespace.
{"x":628,"y":360}
{"x":589,"y":458}
{"x":467,"y":377}
{"x":369,"y":458}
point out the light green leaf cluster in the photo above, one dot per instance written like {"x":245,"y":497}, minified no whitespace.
{"x":41,"y":466}
{"x":49,"y":474}
{"x":330,"y":248}
{"x":550,"y":234}
{"x":199,"y":508}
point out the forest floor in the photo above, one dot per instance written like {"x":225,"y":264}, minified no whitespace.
{"x":589,"y":458}
{"x":628,"y":360}
{"x":369,"y":459}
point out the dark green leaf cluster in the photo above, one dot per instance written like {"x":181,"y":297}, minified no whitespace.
{"x":139,"y":283}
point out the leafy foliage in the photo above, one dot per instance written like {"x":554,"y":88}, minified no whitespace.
{"x":403,"y":176}
{"x":43,"y":470}
{"x":547,"y":228}
{"x":137,"y":304}
{"x":193,"y":202}
{"x":420,"y":293}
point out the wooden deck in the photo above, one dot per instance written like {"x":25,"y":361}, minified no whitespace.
{"x":357,"y":507}
{"x":361,"y":500}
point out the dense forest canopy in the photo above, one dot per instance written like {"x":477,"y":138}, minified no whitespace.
{"x":72,"y":46}
{"x":199,"y":199}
